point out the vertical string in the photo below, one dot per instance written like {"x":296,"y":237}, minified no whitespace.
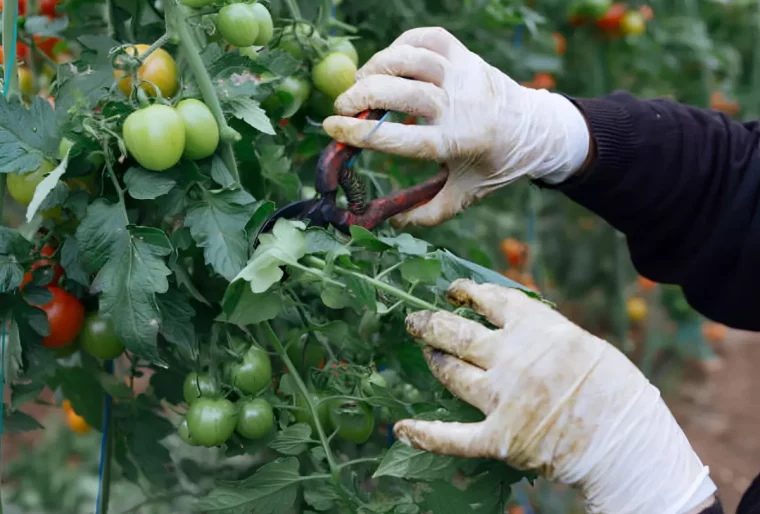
{"x":104,"y":443}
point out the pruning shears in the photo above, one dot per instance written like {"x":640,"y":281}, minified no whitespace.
{"x":334,"y":169}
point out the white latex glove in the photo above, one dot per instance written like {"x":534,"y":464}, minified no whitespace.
{"x":557,"y":400}
{"x":486,"y":127}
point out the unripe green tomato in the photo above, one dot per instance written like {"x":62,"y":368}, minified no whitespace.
{"x":334,"y":74}
{"x":238,"y":24}
{"x":254,"y":373}
{"x":22,"y":187}
{"x":210,"y":421}
{"x":297,"y":89}
{"x":345,"y":47}
{"x":201,"y":130}
{"x":266,"y":26}
{"x":199,"y":385}
{"x":375,"y":379}
{"x":184,"y":433}
{"x":249,"y":51}
{"x":255,"y":418}
{"x":353,"y":421}
{"x":303,"y":415}
{"x":155,"y":136}
{"x":293,"y":40}
{"x":98,"y":337}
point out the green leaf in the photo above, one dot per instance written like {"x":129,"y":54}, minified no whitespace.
{"x":17,"y":422}
{"x":276,"y":168}
{"x":278,"y":62}
{"x":364,"y":292}
{"x":403,"y":461}
{"x":11,"y":273}
{"x":292,"y":440}
{"x":241,"y":306}
{"x":406,"y":244}
{"x":336,"y":297}
{"x":271,"y":490}
{"x":70,"y":262}
{"x":262,"y":211}
{"x":217,"y":224}
{"x":26,"y":135}
{"x":176,"y":319}
{"x":322,"y":496}
{"x":250,"y":112}
{"x":150,"y":455}
{"x":13,"y":243}
{"x":454,"y":267}
{"x":148,"y":185}
{"x":366,"y":239}
{"x":319,"y":240}
{"x":286,"y":244}
{"x":83,"y":390}
{"x":87,"y":85}
{"x":130,"y":272}
{"x":220,"y":173}
{"x":421,"y":269}
{"x":22,"y":393}
{"x":44,"y":188}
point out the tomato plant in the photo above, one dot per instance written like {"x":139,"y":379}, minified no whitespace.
{"x":353,"y":421}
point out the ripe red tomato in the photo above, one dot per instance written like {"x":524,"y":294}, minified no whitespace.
{"x":48,"y":8}
{"x":47,"y":251}
{"x":21,"y":49}
{"x":46,"y":44}
{"x":65,"y":315}
{"x":610,"y":22}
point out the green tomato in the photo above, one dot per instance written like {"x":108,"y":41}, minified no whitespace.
{"x":255,"y":419}
{"x":22,"y":187}
{"x":303,"y":415}
{"x":197,"y":4}
{"x":254,"y":373}
{"x":210,"y":422}
{"x":155,"y":136}
{"x":290,"y":94}
{"x":249,"y":51}
{"x":98,"y":337}
{"x":237,"y":23}
{"x":184,"y":433}
{"x":199,"y":385}
{"x":346,"y":47}
{"x":266,"y":26}
{"x":201,"y":130}
{"x":334,"y":74}
{"x":353,"y":421}
{"x":294,"y":40}
{"x":306,"y":355}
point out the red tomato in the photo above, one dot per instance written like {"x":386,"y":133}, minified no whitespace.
{"x":47,"y":251}
{"x":560,"y":43}
{"x":48,"y":8}
{"x":610,"y":22}
{"x":46,"y":44}
{"x":65,"y":315}
{"x":21,"y":49}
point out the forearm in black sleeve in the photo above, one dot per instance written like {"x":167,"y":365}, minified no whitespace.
{"x":683,"y":185}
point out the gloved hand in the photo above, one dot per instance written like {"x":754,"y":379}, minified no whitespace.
{"x":557,"y":400}
{"x":486,"y":127}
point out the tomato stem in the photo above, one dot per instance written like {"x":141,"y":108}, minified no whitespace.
{"x":295,"y":11}
{"x":177,"y":21}
{"x":115,"y":181}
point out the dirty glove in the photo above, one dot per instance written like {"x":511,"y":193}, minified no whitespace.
{"x":486,"y":127}
{"x":557,"y":400}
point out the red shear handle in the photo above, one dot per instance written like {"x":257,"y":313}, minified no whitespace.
{"x":336,"y":156}
{"x":381,"y":209}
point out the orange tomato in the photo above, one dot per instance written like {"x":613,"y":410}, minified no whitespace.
{"x":159,"y":69}
{"x":645,"y":284}
{"x":514,"y":251}
{"x":560,"y":43}
{"x":637,"y":308}
{"x":543,"y":81}
{"x":714,"y":332}
{"x":66,"y":405}
{"x":610,"y":22}
{"x":76,"y":423}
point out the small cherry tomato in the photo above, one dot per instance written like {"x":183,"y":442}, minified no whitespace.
{"x":25,"y":81}
{"x":158,"y":69}
{"x":633,"y":23}
{"x":714,"y":332}
{"x":98,"y":337}
{"x":637,"y":308}
{"x":199,"y":385}
{"x":77,"y":423}
{"x":255,"y":418}
{"x":237,"y":23}
{"x":645,"y":284}
{"x":647,"y":12}
{"x":353,"y":421}
{"x":334,"y":74}
{"x":611,"y":20}
{"x":560,"y":43}
{"x":516,"y":252}
{"x":49,"y":8}
{"x":201,"y":130}
{"x":544,"y":81}
{"x":155,"y":136}
{"x":254,"y":373}
{"x":22,"y":187}
{"x":266,"y":26}
{"x":65,"y":316}
{"x":210,"y":421}
{"x":46,"y":44}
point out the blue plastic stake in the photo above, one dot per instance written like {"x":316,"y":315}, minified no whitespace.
{"x":104,"y":440}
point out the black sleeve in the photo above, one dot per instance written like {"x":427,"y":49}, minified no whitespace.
{"x":683,"y":184}
{"x":750,"y":503}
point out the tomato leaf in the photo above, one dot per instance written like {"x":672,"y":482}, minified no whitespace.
{"x":335,"y":297}
{"x":365,"y":294}
{"x":176,"y":319}
{"x":217,"y":224}
{"x":249,"y":111}
{"x":403,"y":461}
{"x":22,"y":393}
{"x":262,"y":211}
{"x":276,"y":168}
{"x":11,"y":273}
{"x":292,"y":440}
{"x":148,"y":185}
{"x":278,"y":62}
{"x":12,"y":243}
{"x":241,"y":306}
{"x":271,"y":490}
{"x":150,"y":455}
{"x":26,"y":135}
{"x":44,"y":188}
{"x":130,"y":266}
{"x":420,"y":269}
{"x":70,"y":262}
{"x":319,"y":240}
{"x":321,"y":496}
{"x":406,"y":244}
{"x":16,"y":422}
{"x":366,"y":239}
{"x":220,"y":173}
{"x":455,"y":267}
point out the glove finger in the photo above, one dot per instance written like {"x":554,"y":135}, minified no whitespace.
{"x":463,"y":338}
{"x":435,"y":39}
{"x":499,"y":305}
{"x":444,"y":206}
{"x":393,"y":94}
{"x":415,"y":141}
{"x":465,"y":381}
{"x":456,"y":439}
{"x":406,"y":61}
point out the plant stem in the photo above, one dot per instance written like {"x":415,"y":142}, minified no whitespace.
{"x":36,"y":51}
{"x":9,"y":29}
{"x":388,"y":270}
{"x":383,"y":286}
{"x":110,"y":15}
{"x":158,"y":43}
{"x":295,"y":11}
{"x":176,"y":20}
{"x":293,"y":371}
{"x":345,"y":27}
{"x":358,"y":461}
{"x":115,"y":182}
{"x":325,"y":15}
